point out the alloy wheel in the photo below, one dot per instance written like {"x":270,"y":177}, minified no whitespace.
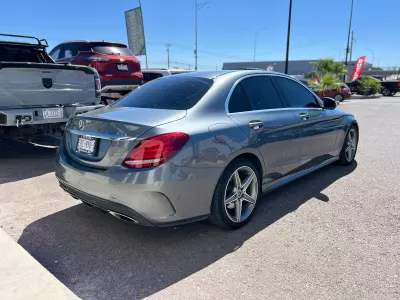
{"x":339,"y":97}
{"x":241,"y":194}
{"x":351,"y":145}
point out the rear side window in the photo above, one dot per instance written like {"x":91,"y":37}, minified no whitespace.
{"x":296,"y":94}
{"x":19,"y":54}
{"x":171,"y":92}
{"x":262,"y":93}
{"x":239,"y":101}
{"x":150,"y":76}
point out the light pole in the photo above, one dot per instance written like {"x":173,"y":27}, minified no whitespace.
{"x":348,"y":39}
{"x":256,"y":33}
{"x":288,"y":38}
{"x":198,"y":7}
{"x":373,"y":55}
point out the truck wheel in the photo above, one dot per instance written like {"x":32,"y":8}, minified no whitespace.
{"x":339,"y":97}
{"x":386,"y":92}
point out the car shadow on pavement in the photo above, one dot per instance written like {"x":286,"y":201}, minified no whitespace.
{"x":100,"y":257}
{"x":21,"y":161}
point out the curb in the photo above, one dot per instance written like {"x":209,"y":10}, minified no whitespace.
{"x":22,"y":277}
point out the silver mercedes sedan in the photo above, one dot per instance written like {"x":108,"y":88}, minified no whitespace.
{"x":203,"y":145}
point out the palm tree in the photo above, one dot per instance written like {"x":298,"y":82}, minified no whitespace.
{"x":326,"y":82}
{"x":324,"y":66}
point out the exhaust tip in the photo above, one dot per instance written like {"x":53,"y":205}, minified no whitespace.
{"x":122,"y":217}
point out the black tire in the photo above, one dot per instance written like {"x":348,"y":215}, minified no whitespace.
{"x":386,"y":92}
{"x":339,"y":97}
{"x":343,"y":158}
{"x":219,"y":215}
{"x":393,"y":93}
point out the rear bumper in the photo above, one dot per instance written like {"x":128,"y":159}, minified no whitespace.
{"x":109,"y":86}
{"x":34,"y":116}
{"x":162,"y":196}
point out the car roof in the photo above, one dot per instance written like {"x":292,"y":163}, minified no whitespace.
{"x":90,"y":42}
{"x":215,"y":74}
{"x":150,"y":70}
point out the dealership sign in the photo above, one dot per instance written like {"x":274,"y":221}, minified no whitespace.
{"x":358,"y":68}
{"x":135,"y":31}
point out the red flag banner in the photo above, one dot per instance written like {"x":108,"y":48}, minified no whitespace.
{"x":358,"y":68}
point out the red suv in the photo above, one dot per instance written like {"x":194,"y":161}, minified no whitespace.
{"x":118,"y":68}
{"x":337,"y":94}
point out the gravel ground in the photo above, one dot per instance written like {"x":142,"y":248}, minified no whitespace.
{"x":334,"y":234}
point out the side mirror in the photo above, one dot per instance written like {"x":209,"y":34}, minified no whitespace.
{"x":329,"y":103}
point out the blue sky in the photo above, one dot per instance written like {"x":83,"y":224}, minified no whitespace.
{"x":319,"y":28}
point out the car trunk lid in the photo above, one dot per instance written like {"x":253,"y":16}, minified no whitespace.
{"x":103,"y":138}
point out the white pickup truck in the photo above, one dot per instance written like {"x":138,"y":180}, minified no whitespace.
{"x":37,"y":95}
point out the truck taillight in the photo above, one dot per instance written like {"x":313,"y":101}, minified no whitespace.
{"x":398,"y":85}
{"x":156,"y":150}
{"x":97,"y":86}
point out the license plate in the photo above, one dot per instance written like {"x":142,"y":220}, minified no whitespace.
{"x":122,"y":67}
{"x":86,"y":145}
{"x":53,"y":113}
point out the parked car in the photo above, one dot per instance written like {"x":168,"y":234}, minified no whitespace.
{"x":151,"y":74}
{"x":37,"y":96}
{"x":389,"y":87}
{"x":337,"y":94}
{"x":119,"y":69}
{"x":201,"y":145}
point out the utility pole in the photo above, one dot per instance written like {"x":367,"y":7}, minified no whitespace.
{"x":351,"y":47}
{"x":348,"y":39}
{"x":288,"y":39}
{"x":168,"y":45}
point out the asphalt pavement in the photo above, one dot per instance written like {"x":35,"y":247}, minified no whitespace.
{"x":334,"y":234}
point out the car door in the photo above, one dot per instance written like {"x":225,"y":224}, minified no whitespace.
{"x":318,"y":128}
{"x":258,"y":109}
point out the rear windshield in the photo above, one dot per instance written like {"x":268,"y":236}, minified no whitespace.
{"x":112,"y":50}
{"x":102,"y":48}
{"x":171,"y":92}
{"x":20,"y":54}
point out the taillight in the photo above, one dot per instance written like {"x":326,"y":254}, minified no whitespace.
{"x":156,"y":150}
{"x":398,"y":85}
{"x":97,"y":85}
{"x":96,"y":59}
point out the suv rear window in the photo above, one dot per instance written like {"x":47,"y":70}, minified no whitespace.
{"x":109,"y":49}
{"x":171,"y":92}
{"x":112,"y":50}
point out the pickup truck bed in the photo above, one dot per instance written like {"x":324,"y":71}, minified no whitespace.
{"x":37,"y":96}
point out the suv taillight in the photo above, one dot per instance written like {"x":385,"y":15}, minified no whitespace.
{"x":97,"y":58}
{"x":156,"y":150}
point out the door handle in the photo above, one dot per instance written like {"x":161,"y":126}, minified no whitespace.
{"x":256,"y":124}
{"x":304,"y":116}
